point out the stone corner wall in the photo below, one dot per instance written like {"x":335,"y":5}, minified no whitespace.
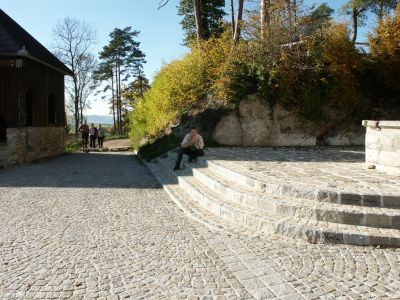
{"x":31,"y":144}
{"x":382,"y":145}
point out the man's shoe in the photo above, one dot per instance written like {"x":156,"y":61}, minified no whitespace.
{"x":176,"y":168}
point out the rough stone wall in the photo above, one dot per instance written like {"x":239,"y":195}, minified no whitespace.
{"x":3,"y":155}
{"x":32,"y":143}
{"x":382,"y":145}
{"x":255,"y":124}
{"x":16,"y":146}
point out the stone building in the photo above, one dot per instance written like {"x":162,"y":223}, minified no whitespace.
{"x":32,"y":114}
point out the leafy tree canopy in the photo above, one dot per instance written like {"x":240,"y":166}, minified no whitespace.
{"x":212,"y":12}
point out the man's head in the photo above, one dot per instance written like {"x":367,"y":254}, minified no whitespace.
{"x":193,"y":131}
{"x":92,"y":125}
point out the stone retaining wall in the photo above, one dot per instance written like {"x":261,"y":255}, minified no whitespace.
{"x":382,"y":144}
{"x":254,"y":123}
{"x":31,"y":144}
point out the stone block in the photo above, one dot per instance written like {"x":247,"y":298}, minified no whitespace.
{"x":395,"y":222}
{"x":371,"y":200}
{"x":391,"y":201}
{"x":327,"y":196}
{"x":391,"y":159}
{"x":383,"y":147}
{"x":356,"y":239}
{"x":378,"y":220}
{"x":352,"y":218}
{"x":350,"y":199}
{"x":389,"y":124}
{"x":328,"y":216}
{"x":372,"y":155}
{"x":333,"y":237}
{"x":370,"y":124}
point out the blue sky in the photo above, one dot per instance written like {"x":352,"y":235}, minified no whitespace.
{"x":161,"y":35}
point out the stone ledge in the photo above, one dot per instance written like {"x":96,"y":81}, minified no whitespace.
{"x":381,"y":124}
{"x":389,"y":124}
{"x":371,"y":124}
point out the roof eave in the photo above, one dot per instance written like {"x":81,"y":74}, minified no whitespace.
{"x":17,"y":55}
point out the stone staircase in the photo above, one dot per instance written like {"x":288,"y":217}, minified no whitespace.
{"x":236,"y":198}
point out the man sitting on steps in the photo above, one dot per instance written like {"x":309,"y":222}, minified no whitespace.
{"x":191,"y":145}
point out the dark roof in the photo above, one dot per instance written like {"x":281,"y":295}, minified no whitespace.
{"x":16,"y":41}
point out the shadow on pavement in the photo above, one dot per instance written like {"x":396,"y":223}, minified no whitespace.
{"x":82,"y":170}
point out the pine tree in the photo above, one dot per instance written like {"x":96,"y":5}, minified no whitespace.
{"x":211,"y":14}
{"x":357,"y":9}
{"x":125,"y":60}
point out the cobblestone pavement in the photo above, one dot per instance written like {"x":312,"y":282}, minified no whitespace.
{"x":98,"y":226}
{"x":329,"y":168}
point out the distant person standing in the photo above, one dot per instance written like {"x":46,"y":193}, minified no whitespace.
{"x":101,"y":133}
{"x":84,"y":130}
{"x":92,"y":136}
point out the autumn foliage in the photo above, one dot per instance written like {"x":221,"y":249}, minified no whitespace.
{"x":316,"y":75}
{"x":385,"y":51}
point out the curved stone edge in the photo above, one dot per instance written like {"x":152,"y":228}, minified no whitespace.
{"x":175,"y":195}
{"x":303,"y":209}
{"x":301,"y":230}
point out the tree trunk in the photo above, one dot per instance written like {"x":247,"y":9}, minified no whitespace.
{"x":197,"y":15}
{"x":354,"y":16}
{"x":76,"y":104}
{"x":117,"y":91}
{"x":233,"y":19}
{"x":113,"y":100}
{"x":295,"y":9}
{"x":289,"y":10}
{"x":238,"y":21}
{"x":265,"y":17}
{"x":119,"y":100}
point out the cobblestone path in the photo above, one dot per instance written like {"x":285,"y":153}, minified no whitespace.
{"x":99,"y":226}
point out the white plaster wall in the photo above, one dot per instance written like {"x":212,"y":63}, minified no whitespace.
{"x":382,"y":144}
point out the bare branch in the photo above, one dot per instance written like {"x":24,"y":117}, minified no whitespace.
{"x":162,"y":3}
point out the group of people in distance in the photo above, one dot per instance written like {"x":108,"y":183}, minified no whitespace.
{"x":92,"y":133}
{"x":192,"y":144}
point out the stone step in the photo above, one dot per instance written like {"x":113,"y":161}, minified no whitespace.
{"x":245,"y":178}
{"x":170,"y":184}
{"x":310,"y":230}
{"x":295,"y":207}
{"x":301,"y":208}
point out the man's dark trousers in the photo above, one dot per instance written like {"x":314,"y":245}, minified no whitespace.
{"x":92,"y":141}
{"x":85,"y":138}
{"x":192,"y":152}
